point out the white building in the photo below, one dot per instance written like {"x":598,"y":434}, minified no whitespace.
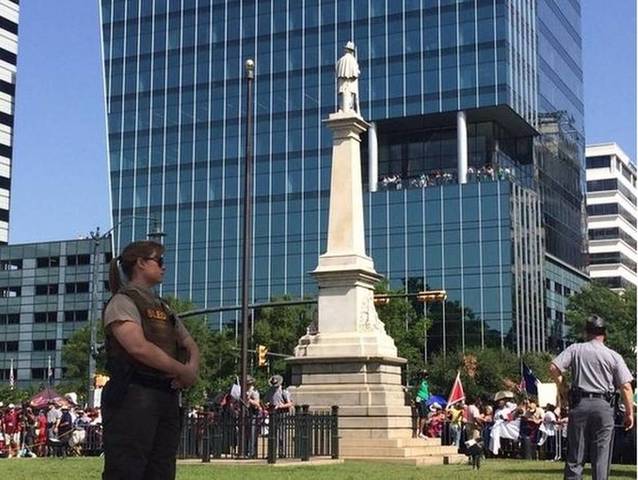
{"x":9,"y":11}
{"x":612,"y":215}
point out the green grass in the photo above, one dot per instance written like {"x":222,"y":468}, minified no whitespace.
{"x":90,"y":468}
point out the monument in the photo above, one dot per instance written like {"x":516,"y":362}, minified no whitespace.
{"x":347,"y":358}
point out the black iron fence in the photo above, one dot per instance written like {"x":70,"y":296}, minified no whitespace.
{"x":299,"y":434}
{"x":527,"y":445}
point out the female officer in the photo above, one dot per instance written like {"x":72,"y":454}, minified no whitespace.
{"x":141,"y":411}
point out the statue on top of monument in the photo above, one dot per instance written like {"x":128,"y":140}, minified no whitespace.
{"x":348,"y":80}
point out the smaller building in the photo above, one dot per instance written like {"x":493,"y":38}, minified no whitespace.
{"x":45,"y":296}
{"x":612,"y":216}
{"x":561,"y":282}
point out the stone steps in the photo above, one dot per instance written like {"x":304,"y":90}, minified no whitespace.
{"x":454,"y":459}
{"x":401,"y":452}
{"x":393,"y":442}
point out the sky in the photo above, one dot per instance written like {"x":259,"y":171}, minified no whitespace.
{"x":60,"y":185}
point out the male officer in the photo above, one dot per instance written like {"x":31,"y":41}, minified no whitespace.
{"x":597,"y":371}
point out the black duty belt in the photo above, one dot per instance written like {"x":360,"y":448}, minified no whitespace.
{"x":594,"y":395}
{"x":152,"y":381}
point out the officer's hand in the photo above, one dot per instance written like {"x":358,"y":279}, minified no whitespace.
{"x":629,"y":420}
{"x":187,"y":376}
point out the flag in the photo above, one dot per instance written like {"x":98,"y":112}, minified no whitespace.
{"x":50,"y":372}
{"x":457,"y":394}
{"x":12,"y":380}
{"x":529,"y":382}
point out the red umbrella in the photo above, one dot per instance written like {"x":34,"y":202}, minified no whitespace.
{"x":41,"y":399}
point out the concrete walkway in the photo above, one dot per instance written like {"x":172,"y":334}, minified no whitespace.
{"x":281,"y":462}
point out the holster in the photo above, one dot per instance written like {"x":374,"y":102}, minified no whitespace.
{"x":116,"y":388}
{"x":575,"y":396}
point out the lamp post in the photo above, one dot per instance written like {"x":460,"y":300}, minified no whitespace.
{"x":247,"y":245}
{"x":157,"y":235}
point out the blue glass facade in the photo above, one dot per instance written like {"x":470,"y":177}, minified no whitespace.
{"x":561,"y":147}
{"x":174,"y":97}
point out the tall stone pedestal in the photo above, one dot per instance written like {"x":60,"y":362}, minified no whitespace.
{"x":347,"y":358}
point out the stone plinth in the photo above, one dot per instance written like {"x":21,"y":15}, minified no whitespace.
{"x":347,"y":358}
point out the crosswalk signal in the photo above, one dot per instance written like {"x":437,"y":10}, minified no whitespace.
{"x":262,"y":352}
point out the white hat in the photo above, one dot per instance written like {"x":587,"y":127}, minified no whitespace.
{"x":349,"y":46}
{"x":11,"y":405}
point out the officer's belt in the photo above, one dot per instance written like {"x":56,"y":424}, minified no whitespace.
{"x":151,"y":381}
{"x":594,"y":395}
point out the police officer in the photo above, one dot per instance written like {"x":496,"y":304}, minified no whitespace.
{"x":144,"y":339}
{"x":597,"y":372}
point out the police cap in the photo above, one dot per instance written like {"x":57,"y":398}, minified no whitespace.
{"x":595,"y":325}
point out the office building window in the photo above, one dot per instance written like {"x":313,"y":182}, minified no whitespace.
{"x":45,"y":317}
{"x":10,"y":265}
{"x":9,"y":346}
{"x":76,"y":315}
{"x":40,"y":373}
{"x":9,"y":318}
{"x":47,"y":262}
{"x":49,"y":289}
{"x":79,"y":287}
{"x":599,"y":162}
{"x":73,"y":260}
{"x":44,"y":345}
{"x":9,"y":292}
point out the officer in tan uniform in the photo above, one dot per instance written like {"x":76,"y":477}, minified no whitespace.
{"x":597,"y":372}
{"x":150,"y":357}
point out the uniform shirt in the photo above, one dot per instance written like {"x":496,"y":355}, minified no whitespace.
{"x":277,"y":396}
{"x":122,"y":308}
{"x":595,"y":367}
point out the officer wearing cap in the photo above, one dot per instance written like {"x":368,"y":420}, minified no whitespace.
{"x":597,"y":372}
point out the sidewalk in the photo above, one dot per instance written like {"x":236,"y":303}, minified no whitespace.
{"x":281,"y":462}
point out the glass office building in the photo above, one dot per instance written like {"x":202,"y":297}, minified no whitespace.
{"x":561,"y":147}
{"x":175,"y":105}
{"x":45,"y":295}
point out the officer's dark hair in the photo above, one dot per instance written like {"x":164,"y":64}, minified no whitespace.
{"x":595,"y":325}
{"x":128,"y":259}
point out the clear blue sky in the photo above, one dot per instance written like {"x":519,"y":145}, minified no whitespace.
{"x":60,"y":185}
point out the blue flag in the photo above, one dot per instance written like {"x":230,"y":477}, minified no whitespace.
{"x":529,"y":381}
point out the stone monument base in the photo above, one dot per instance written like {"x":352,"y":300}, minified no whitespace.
{"x":375,"y":421}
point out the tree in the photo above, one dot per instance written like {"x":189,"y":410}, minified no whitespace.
{"x":405,"y":325}
{"x":619,"y":312}
{"x":279,"y":329}
{"x":75,"y":357}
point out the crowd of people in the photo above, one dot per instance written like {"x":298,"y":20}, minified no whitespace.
{"x":500,"y":425}
{"x":439,"y":177}
{"x":58,"y":429}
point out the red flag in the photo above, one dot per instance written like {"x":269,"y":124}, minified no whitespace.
{"x":457,"y":394}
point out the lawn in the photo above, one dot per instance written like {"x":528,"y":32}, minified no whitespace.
{"x":90,"y":468}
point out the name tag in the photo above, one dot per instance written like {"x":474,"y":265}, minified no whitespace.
{"x":156,"y":314}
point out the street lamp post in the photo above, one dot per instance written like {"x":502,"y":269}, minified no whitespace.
{"x":247,"y":245}
{"x":155,"y":234}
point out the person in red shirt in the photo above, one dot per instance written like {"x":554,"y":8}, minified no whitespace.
{"x":12,"y":430}
{"x":41,"y":441}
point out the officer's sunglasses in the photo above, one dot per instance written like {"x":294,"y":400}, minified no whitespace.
{"x":158,"y":260}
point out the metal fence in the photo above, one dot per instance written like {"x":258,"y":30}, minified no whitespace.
{"x":554,"y":448}
{"x":300,"y":434}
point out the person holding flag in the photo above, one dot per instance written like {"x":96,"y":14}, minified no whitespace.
{"x":456,"y":409}
{"x":529,"y":382}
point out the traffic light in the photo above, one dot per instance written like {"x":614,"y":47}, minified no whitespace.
{"x":262,"y":352}
{"x":430,"y":296}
